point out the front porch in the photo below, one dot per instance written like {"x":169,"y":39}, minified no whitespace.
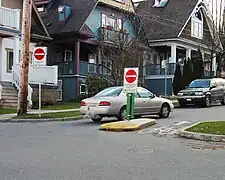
{"x":173,"y":52}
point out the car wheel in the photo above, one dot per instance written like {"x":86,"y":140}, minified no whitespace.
{"x":96,"y":119}
{"x":165,"y":111}
{"x":182,"y":104}
{"x":122,"y":114}
{"x":207,"y":102}
{"x":223,"y":100}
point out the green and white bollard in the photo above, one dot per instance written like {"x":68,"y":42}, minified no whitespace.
{"x":130,"y":106}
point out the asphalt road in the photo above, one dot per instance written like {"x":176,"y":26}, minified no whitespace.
{"x":79,"y":151}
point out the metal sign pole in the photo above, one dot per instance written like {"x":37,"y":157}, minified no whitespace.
{"x":165,"y":78}
{"x":130,"y":106}
{"x":39,"y":99}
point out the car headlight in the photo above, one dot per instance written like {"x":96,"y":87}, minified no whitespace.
{"x":180,"y":94}
{"x":199,"y":93}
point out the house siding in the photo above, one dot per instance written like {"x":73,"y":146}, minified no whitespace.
{"x":207,"y":38}
{"x":94,"y":21}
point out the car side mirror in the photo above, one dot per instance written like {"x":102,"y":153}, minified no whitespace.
{"x":152,"y":96}
{"x":212,"y":87}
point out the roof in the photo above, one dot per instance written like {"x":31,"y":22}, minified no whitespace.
{"x":80,"y":10}
{"x":165,"y":22}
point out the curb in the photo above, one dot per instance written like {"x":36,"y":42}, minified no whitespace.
{"x":132,"y":127}
{"x":200,"y":136}
{"x":41,"y":120}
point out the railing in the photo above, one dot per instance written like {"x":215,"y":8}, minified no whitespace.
{"x":113,"y":36}
{"x":16,"y":81}
{"x":0,"y":92}
{"x":10,"y":18}
{"x":208,"y":73}
{"x":156,"y":69}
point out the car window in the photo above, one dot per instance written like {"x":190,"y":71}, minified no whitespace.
{"x":200,"y":83}
{"x":110,"y":92}
{"x":143,"y":93}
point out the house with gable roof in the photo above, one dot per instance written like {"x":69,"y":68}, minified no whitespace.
{"x":78,"y":29}
{"x":10,"y":47}
{"x":175,"y":29}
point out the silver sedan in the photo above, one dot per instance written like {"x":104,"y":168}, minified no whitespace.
{"x":111,"y":102}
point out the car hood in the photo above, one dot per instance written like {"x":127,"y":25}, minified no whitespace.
{"x":194,"y":90}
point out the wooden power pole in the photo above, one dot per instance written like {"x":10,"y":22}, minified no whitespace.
{"x":24,"y":61}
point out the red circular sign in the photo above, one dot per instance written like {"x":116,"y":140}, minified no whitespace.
{"x":39,"y":54}
{"x":131,"y":76}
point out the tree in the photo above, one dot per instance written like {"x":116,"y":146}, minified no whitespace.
{"x":198,"y":65}
{"x":177,"y":80}
{"x":187,"y":73}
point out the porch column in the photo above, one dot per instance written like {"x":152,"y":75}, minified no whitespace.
{"x":77,"y":67}
{"x":16,"y":50}
{"x":173,"y":53}
{"x":188,"y":53}
{"x":214,"y":66}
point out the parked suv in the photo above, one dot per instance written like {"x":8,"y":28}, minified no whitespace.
{"x":203,"y":91}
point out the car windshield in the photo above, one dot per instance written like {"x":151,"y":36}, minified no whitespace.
{"x":200,"y":84}
{"x":110,"y":92}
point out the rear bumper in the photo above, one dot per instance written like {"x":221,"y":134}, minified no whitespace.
{"x":98,"y":110}
{"x":191,"y":99}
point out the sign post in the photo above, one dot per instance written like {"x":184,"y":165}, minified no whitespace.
{"x":39,"y":60}
{"x":164,"y":65}
{"x":130,"y":88}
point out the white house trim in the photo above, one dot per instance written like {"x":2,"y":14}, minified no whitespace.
{"x":189,"y":18}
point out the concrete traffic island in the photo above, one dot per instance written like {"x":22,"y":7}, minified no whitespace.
{"x":132,"y":125}
{"x":209,"y":136}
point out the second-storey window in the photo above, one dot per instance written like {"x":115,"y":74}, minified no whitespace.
{"x":197,"y":25}
{"x":115,"y":23}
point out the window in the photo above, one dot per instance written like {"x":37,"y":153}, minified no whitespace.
{"x":145,"y":93}
{"x":83,"y":89}
{"x":197,"y":25}
{"x":107,"y":66}
{"x":92,"y":68}
{"x":68,"y":55}
{"x":110,"y":92}
{"x":204,"y":83}
{"x":59,"y":56}
{"x":41,"y":8}
{"x":115,"y":23}
{"x":9,"y":58}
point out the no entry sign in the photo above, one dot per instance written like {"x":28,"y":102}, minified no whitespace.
{"x":39,"y":55}
{"x":130,"y":80}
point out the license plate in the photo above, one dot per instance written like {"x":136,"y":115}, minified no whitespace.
{"x":188,"y":99}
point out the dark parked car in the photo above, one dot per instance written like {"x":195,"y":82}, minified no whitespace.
{"x":203,"y":92}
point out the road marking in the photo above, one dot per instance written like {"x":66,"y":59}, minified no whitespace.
{"x":182,"y":122}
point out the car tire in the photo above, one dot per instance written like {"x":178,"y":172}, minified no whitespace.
{"x":165,"y":111}
{"x":96,"y":119}
{"x":122,"y":114}
{"x":207,"y":102}
{"x":223,"y":100}
{"x":182,"y":104}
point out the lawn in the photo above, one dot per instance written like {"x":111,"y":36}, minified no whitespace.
{"x":217,"y":128}
{"x":63,"y":106}
{"x":7,"y":111}
{"x":49,"y":115}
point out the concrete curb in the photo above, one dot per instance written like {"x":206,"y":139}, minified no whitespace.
{"x":125,"y":126}
{"x":200,"y":136}
{"x":41,"y":120}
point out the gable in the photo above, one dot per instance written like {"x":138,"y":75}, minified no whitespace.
{"x":126,"y":5}
{"x":207,"y":36}
{"x":165,"y":22}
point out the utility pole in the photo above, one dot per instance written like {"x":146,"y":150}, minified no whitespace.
{"x":24,"y":61}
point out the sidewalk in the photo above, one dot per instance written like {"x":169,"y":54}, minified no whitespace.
{"x":32,"y":111}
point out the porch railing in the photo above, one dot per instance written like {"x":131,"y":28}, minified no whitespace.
{"x":0,"y":92}
{"x":113,"y":36}
{"x":156,"y":69}
{"x":16,"y":81}
{"x":10,"y":18}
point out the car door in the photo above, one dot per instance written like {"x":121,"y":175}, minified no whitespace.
{"x":138,"y":104}
{"x":149,"y":103}
{"x":213,"y":90}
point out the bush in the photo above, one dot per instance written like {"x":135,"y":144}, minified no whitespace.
{"x":95,"y":84}
{"x":177,"y":80}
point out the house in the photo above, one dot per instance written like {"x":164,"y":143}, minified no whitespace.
{"x":79,"y":29}
{"x":175,"y":29}
{"x":10,"y":46}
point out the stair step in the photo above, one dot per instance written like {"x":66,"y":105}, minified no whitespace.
{"x":10,"y":94}
{"x":6,"y":97}
{"x":8,"y":88}
{"x":6,"y":83}
{"x":9,"y":91}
